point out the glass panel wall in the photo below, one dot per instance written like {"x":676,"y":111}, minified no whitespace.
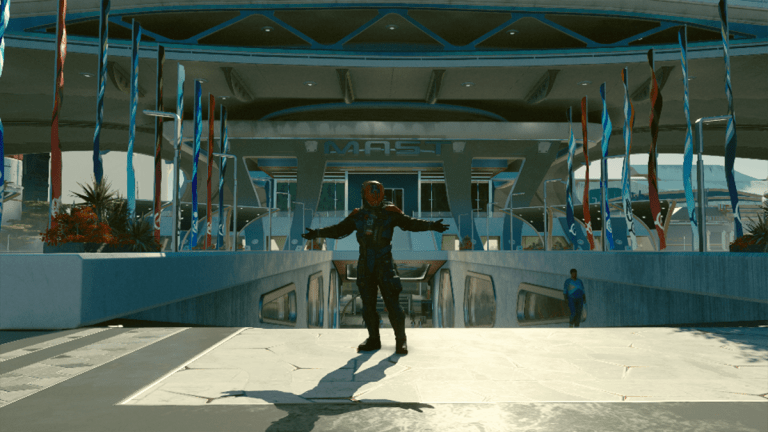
{"x":434,"y":197}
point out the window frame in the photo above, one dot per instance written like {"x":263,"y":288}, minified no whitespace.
{"x":467,"y":283}
{"x":321,"y":311}
{"x":274,"y":295}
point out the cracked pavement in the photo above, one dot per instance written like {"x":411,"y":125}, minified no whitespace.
{"x":297,"y":366}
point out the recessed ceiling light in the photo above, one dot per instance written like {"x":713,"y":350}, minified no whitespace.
{"x":202,"y":80}
{"x":391,"y":26}
{"x":511,"y":32}
{"x":583,"y":83}
{"x":689,"y":78}
{"x":86,"y":74}
{"x":223,"y":97}
{"x":267,"y":29}
{"x":467,"y":84}
{"x":310,"y":83}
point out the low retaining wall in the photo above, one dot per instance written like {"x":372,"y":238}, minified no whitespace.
{"x":60,"y":291}
{"x":625,"y":289}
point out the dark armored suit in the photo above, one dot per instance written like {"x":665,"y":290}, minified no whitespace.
{"x":375,"y":226}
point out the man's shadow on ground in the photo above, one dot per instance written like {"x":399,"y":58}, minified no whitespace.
{"x":303,"y":416}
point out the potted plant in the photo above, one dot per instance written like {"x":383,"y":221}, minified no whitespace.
{"x":76,"y":230}
{"x":102,"y":224}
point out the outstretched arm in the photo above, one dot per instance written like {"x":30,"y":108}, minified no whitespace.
{"x":341,"y":229}
{"x":407,"y":223}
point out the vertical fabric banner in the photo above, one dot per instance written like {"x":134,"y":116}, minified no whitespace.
{"x":198,"y":135}
{"x":224,"y":148}
{"x":181,"y":76}
{"x":61,"y":54}
{"x":585,"y":199}
{"x":158,"y":141}
{"x":682,"y":37}
{"x":98,"y":169}
{"x":730,"y":131}
{"x":5,"y":15}
{"x":653,"y":185}
{"x":570,"y":220}
{"x":211,"y":112}
{"x":607,"y":128}
{"x":626,"y":200}
{"x":132,"y":131}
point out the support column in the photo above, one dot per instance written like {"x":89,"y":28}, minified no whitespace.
{"x":458,"y":185}
{"x":418,"y":194}
{"x":531,"y":177}
{"x":346,"y":193}
{"x":309,"y":184}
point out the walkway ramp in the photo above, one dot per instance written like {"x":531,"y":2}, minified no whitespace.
{"x":213,"y":379}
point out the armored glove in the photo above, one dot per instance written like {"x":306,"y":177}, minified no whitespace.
{"x":438,"y":226}
{"x":311,"y":235}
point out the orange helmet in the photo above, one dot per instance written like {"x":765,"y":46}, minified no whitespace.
{"x":373,"y":193}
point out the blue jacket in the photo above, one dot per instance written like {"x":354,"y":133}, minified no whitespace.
{"x":573,"y":288}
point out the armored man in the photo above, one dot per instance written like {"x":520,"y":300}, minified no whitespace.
{"x":375,"y":223}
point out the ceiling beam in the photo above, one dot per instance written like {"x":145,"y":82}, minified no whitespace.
{"x":433,"y":89}
{"x":542,"y":88}
{"x":237,"y":85}
{"x":345,"y":82}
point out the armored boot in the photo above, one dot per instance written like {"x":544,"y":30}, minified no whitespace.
{"x":398,"y":325}
{"x":374,"y":340}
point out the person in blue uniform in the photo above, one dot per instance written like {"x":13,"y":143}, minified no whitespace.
{"x":573,"y":292}
{"x":375,"y":223}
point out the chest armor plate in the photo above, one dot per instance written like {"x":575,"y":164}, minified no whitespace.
{"x":374,"y":228}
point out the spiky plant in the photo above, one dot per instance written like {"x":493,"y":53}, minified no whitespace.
{"x":97,"y":195}
{"x":758,"y":229}
{"x":116,"y":215}
{"x":141,"y":234}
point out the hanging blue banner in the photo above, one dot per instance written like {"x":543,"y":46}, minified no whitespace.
{"x":180,"y":99}
{"x":569,"y":218}
{"x":626,"y":200}
{"x":132,"y":131}
{"x":98,"y":170}
{"x":198,"y":134}
{"x":730,"y":130}
{"x":607,"y":128}
{"x":223,"y":148}
{"x":682,"y":37}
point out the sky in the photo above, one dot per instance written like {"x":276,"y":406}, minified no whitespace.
{"x":77,"y":167}
{"x":751,"y":167}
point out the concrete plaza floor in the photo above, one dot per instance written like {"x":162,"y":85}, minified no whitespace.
{"x":220,"y":379}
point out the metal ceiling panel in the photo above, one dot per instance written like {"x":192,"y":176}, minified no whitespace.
{"x":288,"y":82}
